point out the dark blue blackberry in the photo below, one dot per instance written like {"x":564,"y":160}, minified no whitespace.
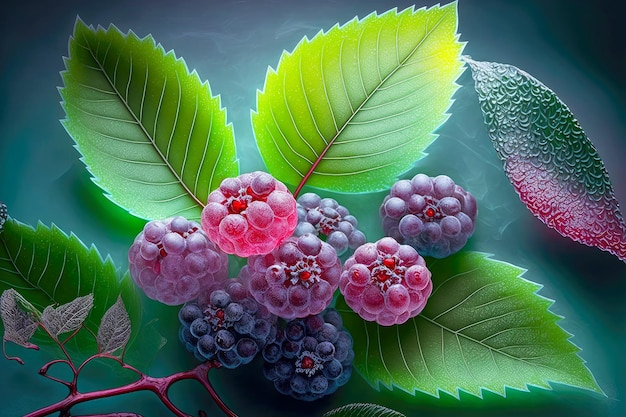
{"x":226,"y":325}
{"x":310,"y":358}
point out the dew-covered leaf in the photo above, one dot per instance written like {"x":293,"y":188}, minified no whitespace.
{"x":354,"y":107}
{"x":48,"y":267}
{"x":548,"y":158}
{"x":19,"y":326}
{"x":114,"y":331}
{"x":484,"y":328}
{"x":362,"y":410}
{"x":67,"y":317}
{"x":149,"y":131}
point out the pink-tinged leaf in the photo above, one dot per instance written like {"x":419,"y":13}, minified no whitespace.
{"x":551,"y":163}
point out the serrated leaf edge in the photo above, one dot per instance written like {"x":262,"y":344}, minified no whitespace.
{"x":305,"y":39}
{"x":377,"y":384}
{"x":204,"y":84}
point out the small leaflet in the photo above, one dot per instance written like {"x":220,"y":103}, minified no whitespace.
{"x":19,"y":327}
{"x":548,"y":158}
{"x":114,"y":331}
{"x":67,"y":317}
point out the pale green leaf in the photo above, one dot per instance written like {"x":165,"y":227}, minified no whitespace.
{"x":47,"y":267}
{"x":363,"y":410}
{"x":354,"y":107}
{"x":483,"y":328}
{"x":150,"y":132}
{"x":548,"y":158}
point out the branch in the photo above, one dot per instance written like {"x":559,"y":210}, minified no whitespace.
{"x":159,"y":386}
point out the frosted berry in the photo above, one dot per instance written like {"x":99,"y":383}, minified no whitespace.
{"x":3,"y":215}
{"x":302,"y":363}
{"x":226,"y":325}
{"x":173,"y":261}
{"x":250,"y":214}
{"x":327,"y":219}
{"x":297,"y":279}
{"x":432,"y":214}
{"x":386,"y":282}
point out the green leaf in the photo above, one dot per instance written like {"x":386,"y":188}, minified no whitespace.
{"x":48,"y":267}
{"x":363,"y":410}
{"x":149,"y":131}
{"x":483,"y":328}
{"x":354,"y":107}
{"x":548,"y":158}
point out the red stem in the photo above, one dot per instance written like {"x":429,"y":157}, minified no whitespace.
{"x":159,"y":386}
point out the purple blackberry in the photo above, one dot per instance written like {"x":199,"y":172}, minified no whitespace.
{"x":310,"y":357}
{"x":324,"y":217}
{"x":173,"y":261}
{"x":433,"y":215}
{"x":386,"y":282}
{"x":227,"y":326}
{"x":297,"y":279}
{"x":250,"y":214}
{"x":4,"y":215}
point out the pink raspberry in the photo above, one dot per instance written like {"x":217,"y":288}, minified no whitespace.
{"x":174,"y":262}
{"x":250,"y":214}
{"x":432,"y":214}
{"x":297,"y":279}
{"x":386,"y":282}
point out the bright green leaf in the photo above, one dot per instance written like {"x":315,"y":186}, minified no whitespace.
{"x":354,"y":107}
{"x":548,"y":158}
{"x":484,"y":328}
{"x":363,"y":410}
{"x":149,"y":131}
{"x":48,"y":268}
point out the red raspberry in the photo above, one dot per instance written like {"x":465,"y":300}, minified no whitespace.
{"x":250,"y":214}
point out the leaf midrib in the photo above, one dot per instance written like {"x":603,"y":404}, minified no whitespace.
{"x":138,"y":121}
{"x":367,"y":97}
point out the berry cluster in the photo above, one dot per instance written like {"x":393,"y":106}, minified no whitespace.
{"x":173,"y":261}
{"x":310,"y":357}
{"x":227,"y":326}
{"x":297,"y":279}
{"x":4,"y":215}
{"x":250,"y":214}
{"x":386,"y":282}
{"x":325,"y":217}
{"x":434,"y":215}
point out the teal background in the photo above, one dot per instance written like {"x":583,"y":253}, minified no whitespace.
{"x":573,"y":47}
